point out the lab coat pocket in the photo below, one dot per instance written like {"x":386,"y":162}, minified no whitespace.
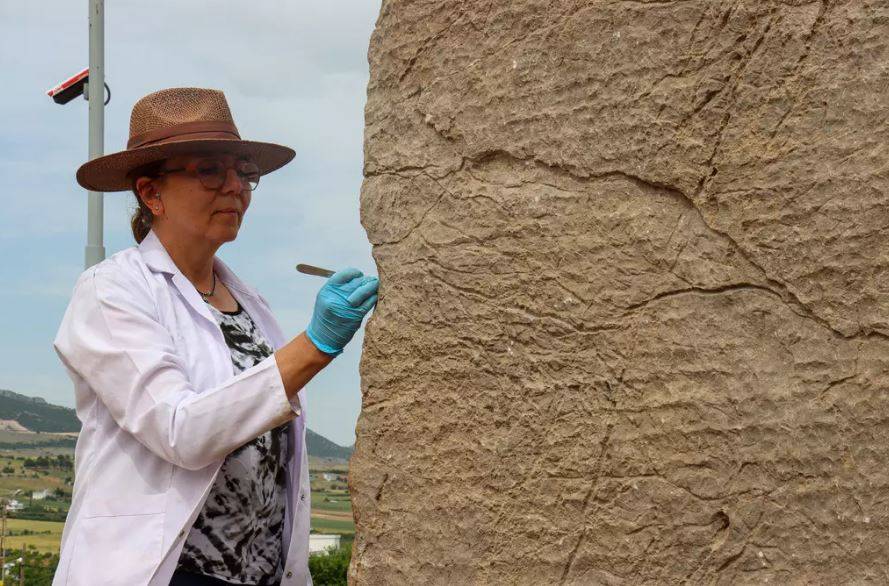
{"x":121,"y":549}
{"x":126,"y":505}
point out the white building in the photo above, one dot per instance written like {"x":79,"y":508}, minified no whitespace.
{"x":39,"y":495}
{"x":319,"y":542}
{"x":14,"y":505}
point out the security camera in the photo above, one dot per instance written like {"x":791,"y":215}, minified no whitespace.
{"x":70,"y":88}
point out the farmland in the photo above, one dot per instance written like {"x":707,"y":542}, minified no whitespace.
{"x":44,"y":463}
{"x":45,"y":536}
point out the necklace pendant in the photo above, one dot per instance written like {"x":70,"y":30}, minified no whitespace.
{"x":210,"y":292}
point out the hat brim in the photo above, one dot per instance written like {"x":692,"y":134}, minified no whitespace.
{"x":109,"y":173}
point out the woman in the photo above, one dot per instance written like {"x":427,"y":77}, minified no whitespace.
{"x":190,"y":467}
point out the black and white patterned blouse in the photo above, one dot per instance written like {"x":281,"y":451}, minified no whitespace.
{"x":237,"y":535}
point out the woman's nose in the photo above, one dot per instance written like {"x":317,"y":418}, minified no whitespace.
{"x":232,"y":182}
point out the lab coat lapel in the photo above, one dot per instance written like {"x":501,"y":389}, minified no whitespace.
{"x":158,"y":259}
{"x":188,"y":291}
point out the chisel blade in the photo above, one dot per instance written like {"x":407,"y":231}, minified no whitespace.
{"x":311,"y":270}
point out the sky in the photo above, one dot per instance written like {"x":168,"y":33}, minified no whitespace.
{"x":294,"y":73}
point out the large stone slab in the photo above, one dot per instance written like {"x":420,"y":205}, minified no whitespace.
{"x":634,"y":307}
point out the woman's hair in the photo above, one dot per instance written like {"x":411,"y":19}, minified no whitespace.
{"x":142,"y":217}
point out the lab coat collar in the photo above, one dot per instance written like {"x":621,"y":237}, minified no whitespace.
{"x":158,"y":260}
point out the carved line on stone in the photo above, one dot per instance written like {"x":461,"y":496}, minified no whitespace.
{"x":797,"y":306}
{"x":703,"y":291}
{"x":825,"y":6}
{"x":593,"y":487}
{"x":736,"y":78}
{"x":781,"y":289}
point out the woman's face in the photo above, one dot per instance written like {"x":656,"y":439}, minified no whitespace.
{"x":187,"y":208}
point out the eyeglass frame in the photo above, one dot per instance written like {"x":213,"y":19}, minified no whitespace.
{"x":193,"y":172}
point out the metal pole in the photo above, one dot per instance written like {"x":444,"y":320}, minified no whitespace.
{"x":95,"y":250}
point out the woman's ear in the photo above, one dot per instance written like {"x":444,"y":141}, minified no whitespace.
{"x":148,"y":192}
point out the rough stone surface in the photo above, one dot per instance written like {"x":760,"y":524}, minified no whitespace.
{"x":634,"y":313}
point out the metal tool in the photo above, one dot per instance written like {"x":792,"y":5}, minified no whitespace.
{"x":310,"y":270}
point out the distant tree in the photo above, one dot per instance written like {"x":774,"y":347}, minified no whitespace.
{"x":39,"y":568}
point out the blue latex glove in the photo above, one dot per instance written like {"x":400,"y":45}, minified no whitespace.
{"x":340,"y":307}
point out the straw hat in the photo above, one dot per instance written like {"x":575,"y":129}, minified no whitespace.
{"x":178,"y":121}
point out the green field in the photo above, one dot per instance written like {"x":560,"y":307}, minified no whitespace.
{"x":337,"y":502}
{"x":35,"y":444}
{"x":27,"y":438}
{"x":46,"y":536}
{"x":332,"y":526}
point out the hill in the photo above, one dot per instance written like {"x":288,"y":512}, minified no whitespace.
{"x":35,"y":414}
{"x":322,"y":447}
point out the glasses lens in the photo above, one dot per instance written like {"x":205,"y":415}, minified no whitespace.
{"x":249,"y":174}
{"x":211,"y":173}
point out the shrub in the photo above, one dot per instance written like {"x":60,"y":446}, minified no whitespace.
{"x":332,"y":567}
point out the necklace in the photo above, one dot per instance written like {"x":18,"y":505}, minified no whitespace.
{"x":209,"y":293}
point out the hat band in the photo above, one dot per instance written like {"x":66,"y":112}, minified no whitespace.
{"x":194,"y":130}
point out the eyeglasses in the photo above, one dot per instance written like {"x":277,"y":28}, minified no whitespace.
{"x":213,"y":172}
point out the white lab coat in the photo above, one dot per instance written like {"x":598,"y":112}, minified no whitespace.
{"x":161,"y":407}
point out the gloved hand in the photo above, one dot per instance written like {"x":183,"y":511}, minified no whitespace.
{"x":340,"y":306}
